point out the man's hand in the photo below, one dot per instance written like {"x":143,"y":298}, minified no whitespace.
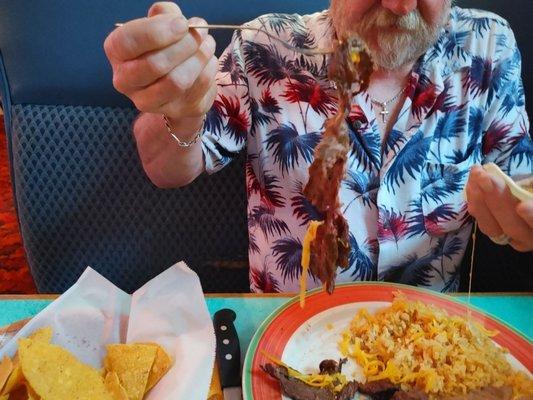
{"x":164,"y":67}
{"x":497,"y":211}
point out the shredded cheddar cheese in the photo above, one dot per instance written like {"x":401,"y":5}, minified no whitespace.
{"x":420,"y":346}
{"x":306,"y":257}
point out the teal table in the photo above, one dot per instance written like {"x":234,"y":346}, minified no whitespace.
{"x":514,"y":310}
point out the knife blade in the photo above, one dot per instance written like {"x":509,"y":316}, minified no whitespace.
{"x":228,"y":354}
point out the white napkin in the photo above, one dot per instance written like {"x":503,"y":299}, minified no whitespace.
{"x":169,"y":310}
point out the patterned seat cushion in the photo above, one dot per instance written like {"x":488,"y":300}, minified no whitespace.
{"x":83,"y":199}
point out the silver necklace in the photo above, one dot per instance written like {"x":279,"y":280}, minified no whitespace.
{"x":383,"y":104}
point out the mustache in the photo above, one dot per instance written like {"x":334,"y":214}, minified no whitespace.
{"x":383,"y":18}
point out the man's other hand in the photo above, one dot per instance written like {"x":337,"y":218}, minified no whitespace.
{"x":498,"y":213}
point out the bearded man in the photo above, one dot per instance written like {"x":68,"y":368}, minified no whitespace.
{"x":445,"y":96}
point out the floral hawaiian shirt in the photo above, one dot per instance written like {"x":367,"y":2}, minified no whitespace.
{"x":403,"y":198}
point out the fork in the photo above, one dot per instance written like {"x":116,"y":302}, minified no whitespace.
{"x":308,"y":51}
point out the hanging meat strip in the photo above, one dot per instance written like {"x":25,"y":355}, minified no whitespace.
{"x":350,"y":68}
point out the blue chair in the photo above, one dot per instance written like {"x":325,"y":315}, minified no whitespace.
{"x":81,"y":194}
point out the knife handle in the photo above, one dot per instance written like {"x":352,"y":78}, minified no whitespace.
{"x":228,"y":350}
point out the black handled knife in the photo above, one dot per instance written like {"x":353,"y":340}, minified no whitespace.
{"x":228,"y":354}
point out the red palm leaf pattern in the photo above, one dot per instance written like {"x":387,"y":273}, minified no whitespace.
{"x":311,"y":92}
{"x":495,"y":137}
{"x":392,"y":225}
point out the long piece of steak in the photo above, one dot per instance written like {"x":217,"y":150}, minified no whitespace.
{"x":350,"y":68}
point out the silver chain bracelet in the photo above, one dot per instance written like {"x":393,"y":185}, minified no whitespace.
{"x":180,"y":142}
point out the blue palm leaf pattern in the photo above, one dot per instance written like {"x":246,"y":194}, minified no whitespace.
{"x":453,"y":45}
{"x":302,"y":38}
{"x":252,"y":243}
{"x":504,"y":71}
{"x":282,"y":22}
{"x":441,"y":181}
{"x":365,"y":147}
{"x":447,"y":246}
{"x":422,"y":224}
{"x":501,"y":40}
{"x":409,"y":160}
{"x":361,"y":259}
{"x":214,"y":120}
{"x":230,"y":65}
{"x":288,"y":146}
{"x":302,"y":207}
{"x":364,"y":185}
{"x":475,"y":130}
{"x":263,"y":217}
{"x":318,"y":70}
{"x":453,"y":281}
{"x":413,"y":270}
{"x":477,"y":24}
{"x":224,"y":155}
{"x":264,"y":182}
{"x":522,"y":151}
{"x":265,"y":63}
{"x":513,"y":97}
{"x":450,"y":125}
{"x":288,"y":253}
{"x":393,"y":141}
{"x":258,"y":118}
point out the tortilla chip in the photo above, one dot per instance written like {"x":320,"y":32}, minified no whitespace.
{"x":6,"y":367}
{"x":160,"y":367}
{"x":15,"y":380}
{"x":43,"y":334}
{"x":54,"y":373}
{"x":114,"y":387}
{"x":132,"y":363}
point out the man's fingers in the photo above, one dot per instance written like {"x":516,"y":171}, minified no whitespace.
{"x":147,"y":69}
{"x":525,"y":210}
{"x":183,"y":81}
{"x":521,"y":246}
{"x":198,"y":33}
{"x":183,"y":77}
{"x":140,"y":36}
{"x":200,"y":97}
{"x":478,"y":208}
{"x":163,"y":7}
{"x":201,"y":106}
{"x":502,"y":205}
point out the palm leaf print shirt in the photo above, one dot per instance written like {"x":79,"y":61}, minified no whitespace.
{"x":403,"y":199}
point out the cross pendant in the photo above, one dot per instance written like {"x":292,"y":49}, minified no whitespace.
{"x":384,"y":112}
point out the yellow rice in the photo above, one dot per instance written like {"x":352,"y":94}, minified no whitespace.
{"x":420,"y":346}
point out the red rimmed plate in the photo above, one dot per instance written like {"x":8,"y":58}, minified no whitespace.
{"x":304,"y":337}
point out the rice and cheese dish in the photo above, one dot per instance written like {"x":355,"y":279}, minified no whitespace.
{"x":420,"y":346}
